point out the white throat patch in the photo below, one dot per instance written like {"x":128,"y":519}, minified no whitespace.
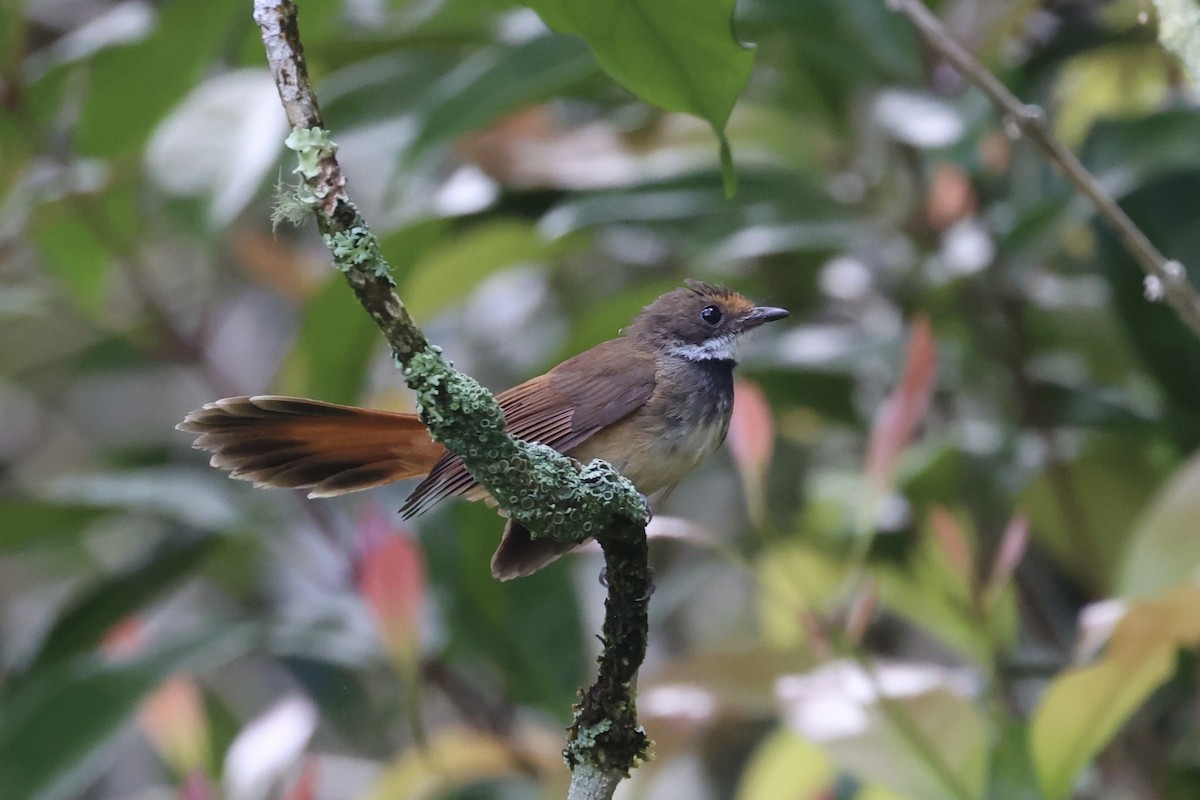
{"x":722,"y":348}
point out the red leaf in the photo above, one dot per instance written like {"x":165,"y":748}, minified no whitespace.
{"x":391,"y":579}
{"x":897,"y":418}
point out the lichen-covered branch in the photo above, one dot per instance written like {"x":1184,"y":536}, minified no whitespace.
{"x":1166,"y":280}
{"x":547,"y":492}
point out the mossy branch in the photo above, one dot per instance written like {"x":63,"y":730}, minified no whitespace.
{"x":547,"y":492}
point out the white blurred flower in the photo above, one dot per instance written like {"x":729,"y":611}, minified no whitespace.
{"x":834,"y":701}
{"x":268,"y":747}
{"x":920,"y":120}
{"x":967,"y":247}
{"x":1097,"y":621}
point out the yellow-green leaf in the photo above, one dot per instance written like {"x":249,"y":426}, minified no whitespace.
{"x":1086,"y":706}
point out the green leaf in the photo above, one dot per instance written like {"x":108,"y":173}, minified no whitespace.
{"x":449,"y":271}
{"x":79,"y":261}
{"x":132,"y":87}
{"x":333,"y":347}
{"x":1165,"y":210}
{"x":1084,"y":511}
{"x":1124,"y":154}
{"x":58,"y":729}
{"x":679,"y":55}
{"x":27,"y":522}
{"x":1086,"y":706}
{"x":1164,"y":550}
{"x":496,"y":82}
{"x":528,"y":629}
{"x":785,"y":765}
{"x":95,"y":611}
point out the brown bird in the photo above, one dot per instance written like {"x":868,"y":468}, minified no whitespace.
{"x":654,"y":403}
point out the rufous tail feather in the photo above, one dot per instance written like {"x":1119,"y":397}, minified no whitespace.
{"x":292,"y":443}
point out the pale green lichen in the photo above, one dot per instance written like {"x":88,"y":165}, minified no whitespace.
{"x":310,"y":145}
{"x":355,"y":248}
{"x":293,"y":204}
{"x":580,"y":748}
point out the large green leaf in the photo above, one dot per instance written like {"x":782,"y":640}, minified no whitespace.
{"x":58,"y":729}
{"x":676,"y":54}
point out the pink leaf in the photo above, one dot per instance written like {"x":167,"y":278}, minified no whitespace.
{"x":751,"y":428}
{"x":751,"y":441}
{"x":197,"y":787}
{"x":305,"y":787}
{"x":953,"y":543}
{"x":861,"y":611}
{"x":1010,"y":552}
{"x":897,"y":418}
{"x":174,"y":720}
{"x":391,"y":579}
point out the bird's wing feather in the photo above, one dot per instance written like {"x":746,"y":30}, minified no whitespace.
{"x":561,"y":409}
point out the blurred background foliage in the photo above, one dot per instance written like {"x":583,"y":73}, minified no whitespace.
{"x":950,"y":552}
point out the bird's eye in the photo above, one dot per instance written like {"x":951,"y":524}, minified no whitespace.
{"x":711,"y":315}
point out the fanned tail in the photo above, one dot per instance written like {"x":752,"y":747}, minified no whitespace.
{"x":329,"y":449}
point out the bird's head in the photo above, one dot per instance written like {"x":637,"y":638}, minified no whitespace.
{"x":700,"y":321}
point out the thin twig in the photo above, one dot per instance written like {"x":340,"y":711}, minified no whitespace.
{"x":1165,"y":279}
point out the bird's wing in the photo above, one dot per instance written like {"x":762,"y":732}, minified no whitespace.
{"x":562,"y":409}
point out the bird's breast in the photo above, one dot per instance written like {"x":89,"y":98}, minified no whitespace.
{"x":683,"y":423}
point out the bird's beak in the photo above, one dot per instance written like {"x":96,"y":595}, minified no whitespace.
{"x":762,"y":314}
